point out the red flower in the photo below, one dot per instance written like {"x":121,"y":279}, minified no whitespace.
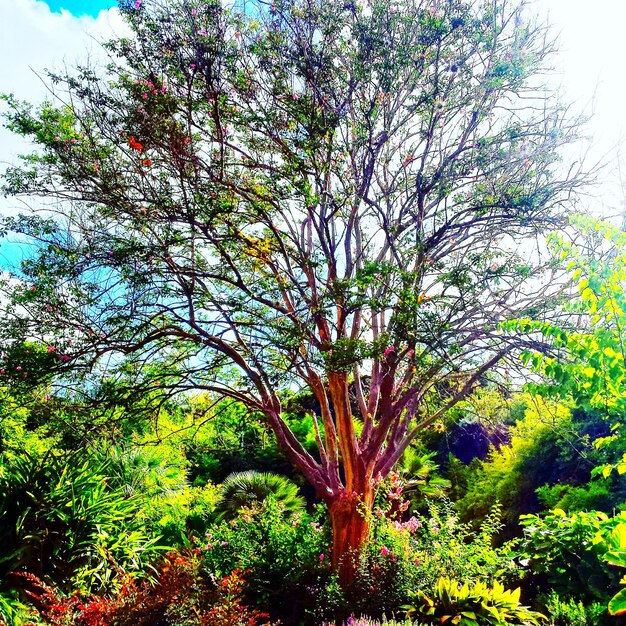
{"x":134,"y":144}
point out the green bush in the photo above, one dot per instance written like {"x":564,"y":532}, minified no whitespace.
{"x":285,"y":557}
{"x":248,"y":489}
{"x":510,"y":475}
{"x":565,"y":554}
{"x":156,"y":476}
{"x":60,"y":518}
{"x":414,"y":554}
{"x":593,"y":496}
{"x":443,"y":546}
{"x":569,"y":612}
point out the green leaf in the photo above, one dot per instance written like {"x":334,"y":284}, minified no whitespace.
{"x":617,"y":604}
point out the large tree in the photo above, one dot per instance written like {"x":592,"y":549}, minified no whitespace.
{"x":310,"y":194}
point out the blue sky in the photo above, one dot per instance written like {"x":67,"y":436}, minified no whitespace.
{"x":81,"y":7}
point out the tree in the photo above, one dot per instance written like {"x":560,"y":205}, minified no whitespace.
{"x":285,"y":195}
{"x":583,"y":355}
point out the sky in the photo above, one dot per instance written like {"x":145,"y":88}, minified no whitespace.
{"x":591,"y":64}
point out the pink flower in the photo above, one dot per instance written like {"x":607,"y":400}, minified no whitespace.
{"x":321,"y":557}
{"x":137,"y":3}
{"x":384,"y":550}
{"x":19,"y":368}
{"x":50,"y":348}
{"x":389,"y":350}
{"x":410,"y":353}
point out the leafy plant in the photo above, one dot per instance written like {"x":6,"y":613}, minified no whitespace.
{"x":569,"y":612}
{"x":60,"y":518}
{"x":422,"y":481}
{"x":286,"y":559}
{"x":566,"y":552}
{"x":472,"y":605}
{"x":443,"y":546}
{"x":616,"y":555}
{"x":13,"y":611}
{"x":511,"y":474}
{"x":245,"y":490}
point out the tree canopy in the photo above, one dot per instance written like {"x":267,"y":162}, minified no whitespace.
{"x":347,"y":198}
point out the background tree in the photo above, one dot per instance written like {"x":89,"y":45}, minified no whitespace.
{"x":285,"y":195}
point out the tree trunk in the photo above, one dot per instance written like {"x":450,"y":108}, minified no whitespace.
{"x":350,"y":516}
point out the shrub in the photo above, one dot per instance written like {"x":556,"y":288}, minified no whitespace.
{"x":511,"y":475}
{"x":415,"y":554}
{"x":13,"y":611}
{"x":180,"y":596}
{"x":247,"y":489}
{"x":60,"y":518}
{"x":443,"y":546}
{"x":569,"y":612}
{"x":565,"y":552}
{"x":472,"y":605}
{"x":285,"y":557}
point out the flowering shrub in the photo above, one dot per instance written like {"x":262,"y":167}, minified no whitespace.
{"x":180,"y":596}
{"x":286,"y":558}
{"x":414,"y":553}
{"x":442,"y":546}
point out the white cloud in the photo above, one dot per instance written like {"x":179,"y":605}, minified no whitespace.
{"x":33,"y":38}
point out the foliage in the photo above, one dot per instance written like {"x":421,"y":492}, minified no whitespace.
{"x":421,"y":478}
{"x":597,"y":495}
{"x":246,"y":490}
{"x":27,"y":366}
{"x":156,"y":476}
{"x":585,"y":358}
{"x":615,"y":545}
{"x":61,"y":519}
{"x":572,"y":613}
{"x":445,"y":547}
{"x":549,"y":456}
{"x":285,"y":558}
{"x":13,"y":611}
{"x":567,"y":552}
{"x":414,"y":554}
{"x":473,"y":605}
{"x":179,"y":596}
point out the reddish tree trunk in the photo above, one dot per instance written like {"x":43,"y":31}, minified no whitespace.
{"x":350,"y":520}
